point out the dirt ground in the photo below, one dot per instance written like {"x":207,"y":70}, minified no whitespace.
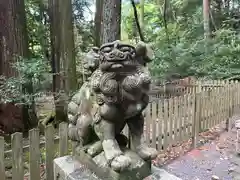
{"x":216,"y":157}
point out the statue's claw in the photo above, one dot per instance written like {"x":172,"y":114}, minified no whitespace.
{"x":147,"y":153}
{"x":120,"y":163}
{"x":114,"y":155}
{"x":95,"y":148}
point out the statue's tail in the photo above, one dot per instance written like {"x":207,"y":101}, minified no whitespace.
{"x":85,"y":106}
{"x":79,"y":114}
{"x":81,"y":103}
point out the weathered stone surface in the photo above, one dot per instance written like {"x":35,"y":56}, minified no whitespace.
{"x":83,"y":166}
{"x":113,"y":96}
{"x":138,"y":169}
{"x":67,"y":168}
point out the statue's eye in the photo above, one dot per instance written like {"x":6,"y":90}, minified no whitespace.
{"x":133,"y":53}
{"x":107,"y":49}
{"x":125,"y":49}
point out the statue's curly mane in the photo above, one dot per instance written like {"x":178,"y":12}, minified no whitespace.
{"x":128,"y":81}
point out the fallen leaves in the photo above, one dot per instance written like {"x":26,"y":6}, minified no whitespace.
{"x":172,"y":153}
{"x":179,"y":149}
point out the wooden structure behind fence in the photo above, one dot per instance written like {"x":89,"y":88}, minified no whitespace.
{"x":168,"y":121}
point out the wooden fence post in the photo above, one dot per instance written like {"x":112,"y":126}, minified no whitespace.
{"x":232,"y":88}
{"x":199,"y":87}
{"x":153,"y":124}
{"x":229,"y":101}
{"x":197,"y":119}
{"x":160,"y":124}
{"x":166,"y":124}
{"x":231,"y":97}
{"x":2,"y":166}
{"x":50,"y":150}
{"x":17,"y":156}
{"x":34,"y":157}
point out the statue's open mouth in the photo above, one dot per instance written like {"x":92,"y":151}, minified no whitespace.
{"x":116,"y":66}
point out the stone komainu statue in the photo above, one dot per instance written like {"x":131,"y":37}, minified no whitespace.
{"x":114,"y":95}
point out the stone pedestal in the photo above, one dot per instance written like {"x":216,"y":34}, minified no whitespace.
{"x":69,"y":168}
{"x":97,"y":167}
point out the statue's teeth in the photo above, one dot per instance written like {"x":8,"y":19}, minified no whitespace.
{"x":117,"y":66}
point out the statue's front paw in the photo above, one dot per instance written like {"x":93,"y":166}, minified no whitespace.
{"x":120,"y":163}
{"x":147,"y":153}
{"x":114,"y":155}
{"x":95,"y":148}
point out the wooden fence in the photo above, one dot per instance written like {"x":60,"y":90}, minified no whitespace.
{"x":168,"y":121}
{"x":180,"y":118}
{"x":170,"y":90}
{"x":32,"y":153}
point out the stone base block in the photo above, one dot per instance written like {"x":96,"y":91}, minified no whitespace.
{"x":69,"y":168}
{"x":98,"y":167}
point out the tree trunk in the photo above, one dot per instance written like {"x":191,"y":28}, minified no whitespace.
{"x":142,"y":14}
{"x":111,"y":20}
{"x":13,"y":33}
{"x":98,"y":22}
{"x":55,"y":37}
{"x":67,"y":46}
{"x":206,"y":18}
{"x":14,"y":44}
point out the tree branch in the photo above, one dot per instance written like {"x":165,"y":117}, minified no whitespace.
{"x":137,"y":21}
{"x":165,"y":18}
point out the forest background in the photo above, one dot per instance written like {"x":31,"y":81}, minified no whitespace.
{"x":43,"y":42}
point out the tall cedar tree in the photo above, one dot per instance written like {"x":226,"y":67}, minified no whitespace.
{"x":62,"y":55}
{"x":111,"y":20}
{"x":14,"y":44}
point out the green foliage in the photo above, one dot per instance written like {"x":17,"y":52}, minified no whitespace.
{"x":38,"y":66}
{"x":84,"y":27}
{"x":31,"y":71}
{"x":151,"y":18}
{"x":218,"y":58}
{"x":37,"y":24}
{"x":180,"y":46}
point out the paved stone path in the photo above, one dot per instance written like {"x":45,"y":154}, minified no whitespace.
{"x":161,"y":174}
{"x":217,"y":158}
{"x":202,"y":164}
